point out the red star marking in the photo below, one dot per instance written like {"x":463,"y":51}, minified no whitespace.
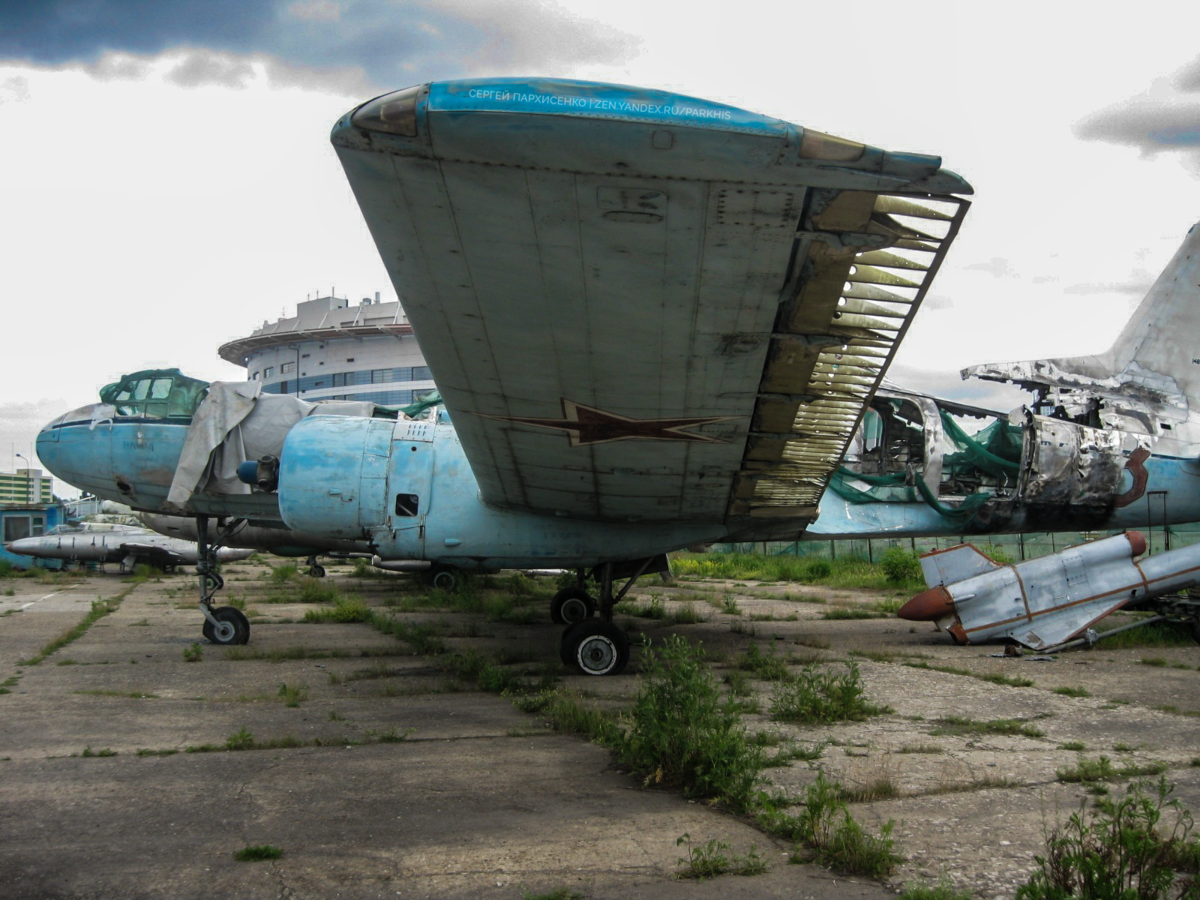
{"x":588,"y":425}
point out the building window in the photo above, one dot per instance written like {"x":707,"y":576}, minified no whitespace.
{"x":420,"y":373}
{"x":349,"y":359}
{"x":254,"y":376}
{"x":379,"y":376}
{"x":304,"y":355}
{"x":268,"y":371}
{"x":287,"y":367}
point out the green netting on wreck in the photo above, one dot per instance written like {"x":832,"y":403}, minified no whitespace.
{"x":994,"y":451}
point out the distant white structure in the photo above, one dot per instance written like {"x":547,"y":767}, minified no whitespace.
{"x":331,"y":350}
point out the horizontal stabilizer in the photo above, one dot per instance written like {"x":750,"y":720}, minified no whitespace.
{"x":954,"y":565}
{"x":1059,"y":627}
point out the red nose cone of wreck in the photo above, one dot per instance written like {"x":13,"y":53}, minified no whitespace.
{"x":1137,"y":542}
{"x":928,"y":606}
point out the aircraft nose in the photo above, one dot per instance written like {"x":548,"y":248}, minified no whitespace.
{"x":928,"y":606}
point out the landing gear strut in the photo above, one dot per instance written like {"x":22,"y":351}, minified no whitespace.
{"x":315,"y":569}
{"x":225,"y":624}
{"x":596,"y":646}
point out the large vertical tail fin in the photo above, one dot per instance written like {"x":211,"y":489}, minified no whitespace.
{"x":1152,"y":358}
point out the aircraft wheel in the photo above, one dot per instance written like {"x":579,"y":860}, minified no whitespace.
{"x":571,"y":605}
{"x":595,"y":647}
{"x":316,"y":571}
{"x":444,"y":578}
{"x":233,"y":627}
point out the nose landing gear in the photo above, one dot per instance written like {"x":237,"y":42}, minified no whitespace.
{"x":226,"y":624}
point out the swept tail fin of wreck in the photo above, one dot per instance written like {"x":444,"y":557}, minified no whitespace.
{"x":1147,"y":362}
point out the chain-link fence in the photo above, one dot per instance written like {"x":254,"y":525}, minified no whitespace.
{"x":1003,"y":547}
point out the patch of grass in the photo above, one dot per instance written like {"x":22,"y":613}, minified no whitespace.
{"x":420,"y":635}
{"x":1072,"y":691}
{"x":560,"y":894}
{"x":1088,"y":771}
{"x":710,"y":860}
{"x":853,"y":612}
{"x":1124,"y":847}
{"x":681,"y":734}
{"x":831,"y":837}
{"x":1007,"y":680}
{"x":1152,"y":636}
{"x":1157,"y":662}
{"x":89,"y":753}
{"x":318,"y":590}
{"x":958,"y":725}
{"x":931,"y":749}
{"x":292,"y":694}
{"x":259,"y":852}
{"x":943,"y":889}
{"x":882,"y":788}
{"x":194,"y":653}
{"x":565,"y":711}
{"x":283,"y":573}
{"x":344,"y":611}
{"x":765,"y":666}
{"x":1077,"y":746}
{"x":100,"y":609}
{"x":820,"y":697}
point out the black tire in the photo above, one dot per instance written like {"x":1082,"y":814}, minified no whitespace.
{"x":571,"y":605}
{"x":595,"y":647}
{"x":444,"y":578}
{"x":316,"y":571}
{"x":238,"y":631}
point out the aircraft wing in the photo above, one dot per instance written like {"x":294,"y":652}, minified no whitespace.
{"x":640,"y":306}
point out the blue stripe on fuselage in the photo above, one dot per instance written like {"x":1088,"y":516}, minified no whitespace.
{"x":593,"y":100}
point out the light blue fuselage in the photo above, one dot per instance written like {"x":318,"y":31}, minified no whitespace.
{"x":350,"y":478}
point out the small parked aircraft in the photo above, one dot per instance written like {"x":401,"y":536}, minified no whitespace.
{"x":123,"y":544}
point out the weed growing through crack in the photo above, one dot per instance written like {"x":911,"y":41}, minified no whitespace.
{"x":828,"y":835}
{"x":959,"y":725}
{"x":1089,"y":771}
{"x":681,"y":734}
{"x":764,"y":666}
{"x":194,"y":653}
{"x":344,"y":611}
{"x":710,"y":860}
{"x":292,"y":694}
{"x":819,"y":697}
{"x":942,"y":889}
{"x":1121,"y":849}
{"x":259,"y":852}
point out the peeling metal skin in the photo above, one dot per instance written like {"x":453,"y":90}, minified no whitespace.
{"x":1109,"y":443}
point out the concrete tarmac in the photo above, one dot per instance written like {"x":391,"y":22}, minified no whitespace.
{"x":388,"y":778}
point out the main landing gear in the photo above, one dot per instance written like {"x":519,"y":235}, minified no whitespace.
{"x":597,"y":646}
{"x":315,"y":569}
{"x":225,"y":624}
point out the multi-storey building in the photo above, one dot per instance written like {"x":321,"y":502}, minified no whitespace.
{"x":331,"y":350}
{"x":27,"y":486}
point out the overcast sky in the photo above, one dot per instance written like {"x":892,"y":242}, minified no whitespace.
{"x":168,"y":183}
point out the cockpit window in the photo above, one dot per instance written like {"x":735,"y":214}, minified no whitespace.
{"x":155,"y":394}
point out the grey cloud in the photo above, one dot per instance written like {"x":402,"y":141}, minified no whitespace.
{"x":202,"y":67}
{"x":1130,"y":288}
{"x":994,"y":266}
{"x":1166,"y":117}
{"x":14,"y":89}
{"x":392,"y":43}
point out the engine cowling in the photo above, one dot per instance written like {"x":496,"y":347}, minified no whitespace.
{"x":333,"y":476}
